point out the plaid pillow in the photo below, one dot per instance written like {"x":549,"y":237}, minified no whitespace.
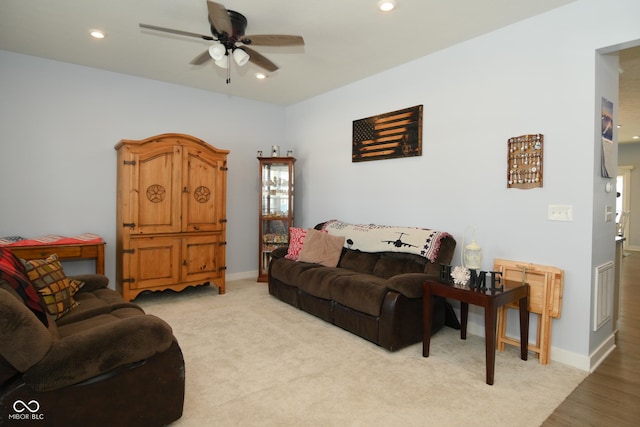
{"x":56,"y":290}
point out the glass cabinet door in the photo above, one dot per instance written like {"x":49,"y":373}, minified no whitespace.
{"x":276,"y":208}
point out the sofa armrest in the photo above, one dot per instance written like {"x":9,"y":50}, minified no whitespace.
{"x":92,"y":281}
{"x":279,"y":252}
{"x":98,"y":350}
{"x":409,"y":284}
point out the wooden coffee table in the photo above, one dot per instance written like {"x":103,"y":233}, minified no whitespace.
{"x":491,"y":300}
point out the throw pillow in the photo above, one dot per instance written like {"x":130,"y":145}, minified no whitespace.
{"x":321,"y":248}
{"x":56,"y":290}
{"x":296,"y":240}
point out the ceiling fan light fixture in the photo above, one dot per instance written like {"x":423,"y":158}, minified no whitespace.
{"x":240,"y":56}
{"x":223,"y":62}
{"x":387,"y":5}
{"x":217,"y":51}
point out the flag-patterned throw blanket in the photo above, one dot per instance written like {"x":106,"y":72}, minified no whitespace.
{"x":383,"y":238}
{"x":13,"y":272}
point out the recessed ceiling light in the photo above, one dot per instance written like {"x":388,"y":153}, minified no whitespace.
{"x":636,"y":137}
{"x":97,"y":34}
{"x":387,"y":5}
{"x":261,"y":76}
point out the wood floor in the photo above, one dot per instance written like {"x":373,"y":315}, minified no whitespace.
{"x":611,"y":395}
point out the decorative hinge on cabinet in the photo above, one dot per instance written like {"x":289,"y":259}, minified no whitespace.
{"x":222,"y":243}
{"x":129,"y":251}
{"x":129,"y":280}
{"x":223,"y":220}
{"x":222,"y":268}
{"x":224,"y":168}
{"x":129,"y":162}
{"x":129,"y":224}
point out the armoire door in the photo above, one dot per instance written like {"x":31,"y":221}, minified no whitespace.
{"x":203,"y":184}
{"x":155,"y":191}
{"x":153,"y":262}
{"x":202,"y":258}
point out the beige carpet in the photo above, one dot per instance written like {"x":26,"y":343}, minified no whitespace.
{"x":253,"y":360}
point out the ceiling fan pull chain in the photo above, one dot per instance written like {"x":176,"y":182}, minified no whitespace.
{"x":229,"y":72}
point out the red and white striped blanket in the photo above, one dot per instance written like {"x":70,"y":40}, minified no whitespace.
{"x":50,"y":239}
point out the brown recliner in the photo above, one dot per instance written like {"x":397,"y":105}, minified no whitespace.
{"x":104,"y":363}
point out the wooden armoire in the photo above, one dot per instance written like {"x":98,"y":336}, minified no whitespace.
{"x":171,"y":214}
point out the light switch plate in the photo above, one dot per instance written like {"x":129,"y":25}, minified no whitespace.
{"x":560,"y":212}
{"x":608,"y":213}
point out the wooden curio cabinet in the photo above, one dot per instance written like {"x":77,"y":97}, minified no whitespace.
{"x":171,"y":214}
{"x":276,"y":208}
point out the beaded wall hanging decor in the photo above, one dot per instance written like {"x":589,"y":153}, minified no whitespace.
{"x":524,"y":161}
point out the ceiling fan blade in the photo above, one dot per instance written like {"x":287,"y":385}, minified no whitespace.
{"x":273,"y":40}
{"x":260,"y":60}
{"x":219,"y":18}
{"x":201,"y":59}
{"x":172,"y":31}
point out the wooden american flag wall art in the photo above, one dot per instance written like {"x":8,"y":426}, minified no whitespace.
{"x":388,"y":136}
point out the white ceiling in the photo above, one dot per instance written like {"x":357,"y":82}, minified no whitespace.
{"x":345,"y":40}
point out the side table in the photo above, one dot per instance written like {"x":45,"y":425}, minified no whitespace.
{"x":65,"y":252}
{"x":491,"y":300}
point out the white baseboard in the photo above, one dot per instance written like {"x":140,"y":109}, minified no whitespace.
{"x":242,"y":275}
{"x":601,"y":353}
{"x":578,"y":361}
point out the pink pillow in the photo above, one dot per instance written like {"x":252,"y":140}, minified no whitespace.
{"x":296,"y":240}
{"x":321,"y":248}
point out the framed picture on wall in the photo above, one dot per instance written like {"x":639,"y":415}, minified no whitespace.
{"x":608,"y":160}
{"x":388,"y":136}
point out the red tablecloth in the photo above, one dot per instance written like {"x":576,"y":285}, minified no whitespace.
{"x":50,"y":239}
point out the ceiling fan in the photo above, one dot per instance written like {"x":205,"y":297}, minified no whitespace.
{"x":227,"y":29}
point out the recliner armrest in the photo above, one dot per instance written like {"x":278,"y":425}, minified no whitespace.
{"x":91,"y":281}
{"x":409,"y":284}
{"x":98,"y":350}
{"x":279,"y":252}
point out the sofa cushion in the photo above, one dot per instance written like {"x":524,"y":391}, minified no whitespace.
{"x":55,"y":288}
{"x":362,"y":262}
{"x":318,"y":281}
{"x":321,"y":248}
{"x":95,"y":321}
{"x":288,"y":271}
{"x":361,"y":292}
{"x":391,"y":264}
{"x":98,"y":302}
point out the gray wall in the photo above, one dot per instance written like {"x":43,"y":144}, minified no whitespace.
{"x":629,"y":155}
{"x":60,"y":123}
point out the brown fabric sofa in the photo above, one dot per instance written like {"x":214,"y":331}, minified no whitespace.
{"x":105,"y":363}
{"x":377,"y":296}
